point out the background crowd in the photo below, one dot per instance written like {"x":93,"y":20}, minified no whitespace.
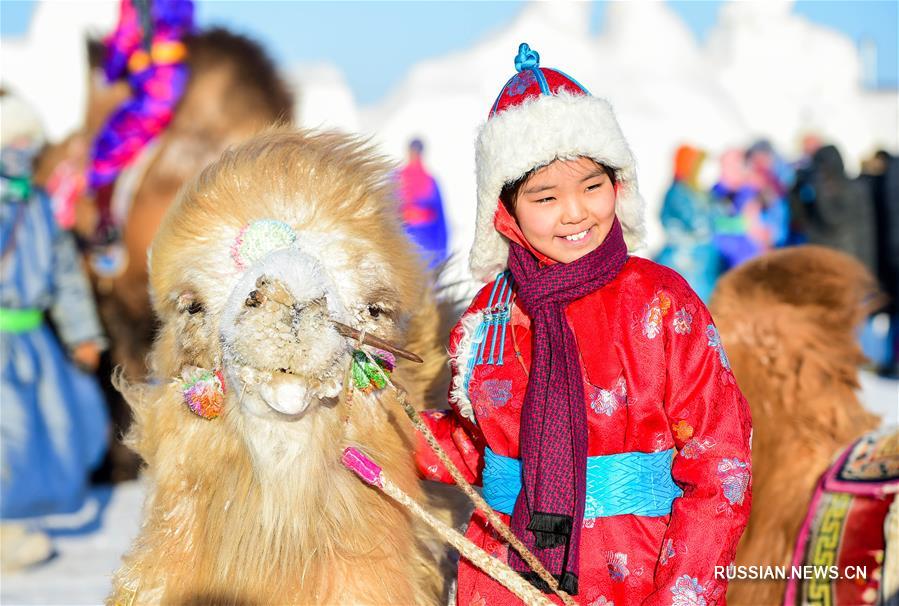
{"x":64,"y":254}
{"x":761,"y":201}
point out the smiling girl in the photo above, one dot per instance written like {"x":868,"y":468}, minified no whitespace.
{"x":591,"y":397}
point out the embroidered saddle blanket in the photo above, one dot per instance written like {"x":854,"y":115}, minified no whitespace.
{"x":850,"y":537}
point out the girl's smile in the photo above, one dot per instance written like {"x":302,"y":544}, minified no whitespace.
{"x":566,"y":209}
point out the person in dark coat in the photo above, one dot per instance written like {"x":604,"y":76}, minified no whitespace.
{"x":881,"y":173}
{"x":837,"y":211}
{"x":876,"y":173}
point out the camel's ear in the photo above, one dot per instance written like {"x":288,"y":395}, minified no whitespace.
{"x":151,"y":405}
{"x":426,"y":337}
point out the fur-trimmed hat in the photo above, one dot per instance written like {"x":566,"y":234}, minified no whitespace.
{"x":541,"y":115}
{"x":20,"y":121}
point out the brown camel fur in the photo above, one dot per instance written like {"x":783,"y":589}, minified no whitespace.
{"x":254,"y":507}
{"x":788,"y":321}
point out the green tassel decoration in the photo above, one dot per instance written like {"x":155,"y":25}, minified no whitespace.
{"x":368,"y":376}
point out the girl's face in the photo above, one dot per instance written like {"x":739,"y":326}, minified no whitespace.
{"x":566,"y":209}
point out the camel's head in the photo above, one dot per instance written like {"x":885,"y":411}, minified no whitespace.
{"x":262,"y":266}
{"x":266,"y":255}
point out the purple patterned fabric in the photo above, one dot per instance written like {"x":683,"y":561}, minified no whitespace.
{"x":549,"y":512}
{"x":156,"y":89}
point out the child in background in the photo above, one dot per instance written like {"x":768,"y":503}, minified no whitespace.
{"x":52,"y":416}
{"x":422,"y":207}
{"x":591,"y":397}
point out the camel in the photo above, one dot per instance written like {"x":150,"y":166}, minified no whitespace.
{"x":234,"y":91}
{"x":787,"y":321}
{"x":252,"y":269}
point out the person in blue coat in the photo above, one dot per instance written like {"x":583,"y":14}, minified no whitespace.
{"x":53,"y":421}
{"x":687,"y":220}
{"x":738,"y":226}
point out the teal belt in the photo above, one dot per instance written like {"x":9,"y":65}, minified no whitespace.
{"x":637,"y":483}
{"x":20,"y":320}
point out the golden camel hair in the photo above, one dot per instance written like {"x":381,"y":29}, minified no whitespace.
{"x":219,"y":526}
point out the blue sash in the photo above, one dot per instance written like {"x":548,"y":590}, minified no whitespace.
{"x":637,"y":483}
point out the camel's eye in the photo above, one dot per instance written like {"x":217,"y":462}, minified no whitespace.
{"x":188,"y":302}
{"x":381,"y":304}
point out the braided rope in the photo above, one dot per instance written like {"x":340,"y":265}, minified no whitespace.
{"x":495,"y":567}
{"x":473,"y":495}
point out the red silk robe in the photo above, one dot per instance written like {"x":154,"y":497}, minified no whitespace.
{"x":656,"y":378}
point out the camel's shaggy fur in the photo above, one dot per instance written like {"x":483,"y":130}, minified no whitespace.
{"x":788,"y":322}
{"x":254,"y":507}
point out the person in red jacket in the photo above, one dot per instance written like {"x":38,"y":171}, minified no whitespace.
{"x":591,"y":397}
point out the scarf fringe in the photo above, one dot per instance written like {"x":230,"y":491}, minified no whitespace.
{"x":550,"y":529}
{"x":567,"y":582}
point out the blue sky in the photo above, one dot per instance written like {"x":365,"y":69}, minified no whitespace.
{"x":375,"y":43}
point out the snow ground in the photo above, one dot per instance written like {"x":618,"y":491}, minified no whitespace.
{"x":89,"y":546}
{"x":881,"y":396}
{"x":91,"y":542}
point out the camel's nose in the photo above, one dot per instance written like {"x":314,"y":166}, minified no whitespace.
{"x":270,"y":289}
{"x":301,"y":312}
{"x":254,"y":299}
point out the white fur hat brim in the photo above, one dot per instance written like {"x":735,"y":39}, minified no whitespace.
{"x":540,"y":130}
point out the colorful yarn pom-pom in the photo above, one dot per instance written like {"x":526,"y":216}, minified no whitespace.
{"x":259,"y":238}
{"x":204,"y":392}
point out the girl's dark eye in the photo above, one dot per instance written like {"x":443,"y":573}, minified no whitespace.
{"x":195,"y":308}
{"x":375,"y":311}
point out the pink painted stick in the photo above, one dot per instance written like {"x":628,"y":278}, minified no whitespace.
{"x":371,"y":472}
{"x":362,"y":466}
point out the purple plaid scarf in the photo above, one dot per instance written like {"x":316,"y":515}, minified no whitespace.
{"x":549,"y":512}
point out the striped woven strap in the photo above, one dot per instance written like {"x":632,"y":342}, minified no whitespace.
{"x":20,"y":320}
{"x":637,"y":483}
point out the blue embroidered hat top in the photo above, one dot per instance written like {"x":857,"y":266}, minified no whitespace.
{"x":532,"y":80}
